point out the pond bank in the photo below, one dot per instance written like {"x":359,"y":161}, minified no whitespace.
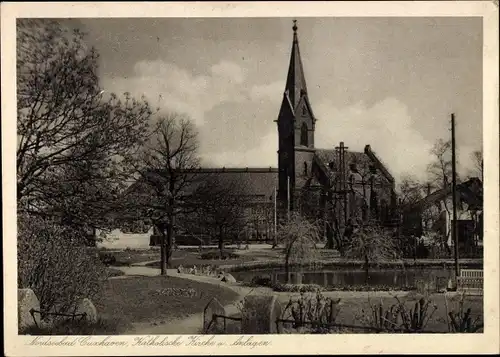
{"x":342,"y":263}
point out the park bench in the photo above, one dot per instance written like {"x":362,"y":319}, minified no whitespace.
{"x":470,"y":281}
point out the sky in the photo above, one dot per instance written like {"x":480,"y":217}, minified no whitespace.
{"x":388,"y":82}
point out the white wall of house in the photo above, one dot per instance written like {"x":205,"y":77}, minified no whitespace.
{"x":116,"y":239}
{"x":461,"y":215}
{"x":445,"y":207}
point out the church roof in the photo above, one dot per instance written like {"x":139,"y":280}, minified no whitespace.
{"x":330,"y":158}
{"x":257,"y":182}
{"x":363,"y":161}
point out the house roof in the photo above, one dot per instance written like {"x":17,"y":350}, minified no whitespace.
{"x":469,"y":192}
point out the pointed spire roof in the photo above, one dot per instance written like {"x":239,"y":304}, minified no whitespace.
{"x":295,"y":82}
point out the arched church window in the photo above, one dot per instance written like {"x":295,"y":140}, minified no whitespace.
{"x":304,"y":110}
{"x":303,"y":135}
{"x":305,"y":168}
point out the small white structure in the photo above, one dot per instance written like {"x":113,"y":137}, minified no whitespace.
{"x":87,"y":307}
{"x":116,"y":239}
{"x":26,"y":301}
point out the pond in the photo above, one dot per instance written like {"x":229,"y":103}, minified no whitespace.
{"x":352,"y":277}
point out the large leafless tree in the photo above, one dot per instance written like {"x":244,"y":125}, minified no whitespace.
{"x":71,"y":141}
{"x":222,"y":208}
{"x":166,"y":167}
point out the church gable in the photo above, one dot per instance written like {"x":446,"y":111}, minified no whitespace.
{"x":304,"y":110}
{"x":359,"y":166}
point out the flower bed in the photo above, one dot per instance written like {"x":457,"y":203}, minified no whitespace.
{"x":264,"y":281}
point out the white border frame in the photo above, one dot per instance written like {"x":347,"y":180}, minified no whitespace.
{"x":279,"y":344}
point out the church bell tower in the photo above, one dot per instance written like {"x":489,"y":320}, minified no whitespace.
{"x":296,"y":125}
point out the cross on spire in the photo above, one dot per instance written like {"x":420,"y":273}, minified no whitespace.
{"x":296,"y":82}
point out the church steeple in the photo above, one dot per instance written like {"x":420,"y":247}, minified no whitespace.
{"x":295,"y":82}
{"x":296,"y":125}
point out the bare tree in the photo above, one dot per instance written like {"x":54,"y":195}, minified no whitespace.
{"x":439,"y":170}
{"x":411,"y":190}
{"x":440,"y":175}
{"x":299,"y":237}
{"x":477,"y":160}
{"x":71,"y":143}
{"x":167,"y":167}
{"x":371,"y":243}
{"x":222,"y":206}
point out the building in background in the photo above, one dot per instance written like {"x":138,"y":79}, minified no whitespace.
{"x":432,"y":216}
{"x":331,"y":184}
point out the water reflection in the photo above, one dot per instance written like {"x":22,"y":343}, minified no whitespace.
{"x":352,"y":277}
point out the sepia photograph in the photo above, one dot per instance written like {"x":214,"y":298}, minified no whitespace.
{"x":266,"y":175}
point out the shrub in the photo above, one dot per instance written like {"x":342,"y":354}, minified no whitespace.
{"x":215,"y":254}
{"x":397,"y":317}
{"x":55,"y":264}
{"x":297,"y":288}
{"x":314,"y":313}
{"x":112,"y":272}
{"x":261,"y":281}
{"x":107,"y":259}
{"x":366,"y":287}
{"x":461,"y":321}
{"x":75,"y":327}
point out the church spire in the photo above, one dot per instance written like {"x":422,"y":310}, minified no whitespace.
{"x":295,"y":82}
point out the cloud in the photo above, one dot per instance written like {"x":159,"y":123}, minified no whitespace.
{"x":264,"y":154}
{"x":173,"y":88}
{"x":386,"y":127}
{"x":389,"y":129}
{"x":272,"y":91}
{"x":229,"y":70}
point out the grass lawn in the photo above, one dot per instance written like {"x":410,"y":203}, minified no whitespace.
{"x":142,"y":299}
{"x":128,"y":256}
{"x":184,"y":257}
{"x":190,"y":258}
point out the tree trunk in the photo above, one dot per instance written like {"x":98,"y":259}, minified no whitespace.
{"x":221,"y":244}
{"x":287,"y":272}
{"x":367,"y":269}
{"x":287,"y":265}
{"x":163,"y":248}
{"x":170,"y":241}
{"x":330,"y":244}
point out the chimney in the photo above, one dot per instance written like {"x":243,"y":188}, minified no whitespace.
{"x":428,"y":188}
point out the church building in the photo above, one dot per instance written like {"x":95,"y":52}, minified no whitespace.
{"x":356,"y":185}
{"x":332,"y":184}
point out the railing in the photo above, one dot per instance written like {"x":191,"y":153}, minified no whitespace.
{"x":470,"y":281}
{"x":280,"y":322}
{"x":42,"y":313}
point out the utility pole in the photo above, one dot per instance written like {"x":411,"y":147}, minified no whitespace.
{"x":275,"y":219}
{"x":288,"y":196}
{"x":454,"y":193}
